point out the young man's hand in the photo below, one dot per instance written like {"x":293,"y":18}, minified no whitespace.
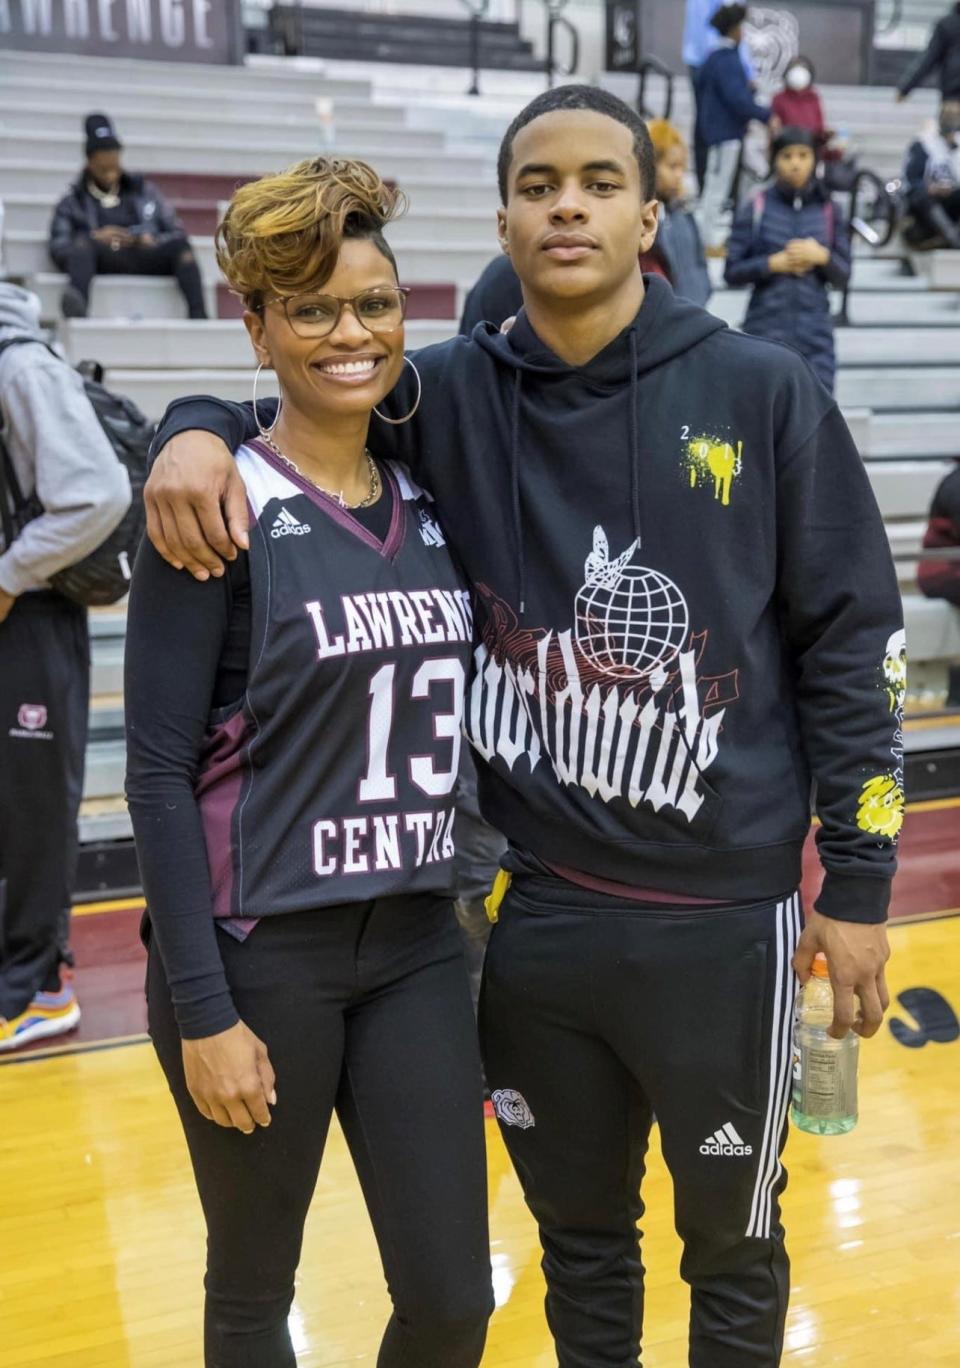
{"x":196,"y":504}
{"x":779,"y":264}
{"x":856,"y":956}
{"x":230,"y":1078}
{"x":6,"y":603}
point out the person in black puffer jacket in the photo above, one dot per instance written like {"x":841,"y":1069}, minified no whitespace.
{"x":942,"y":55}
{"x":113,"y":223}
{"x":791,"y":244}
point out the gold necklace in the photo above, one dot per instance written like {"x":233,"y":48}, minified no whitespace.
{"x":373,"y":493}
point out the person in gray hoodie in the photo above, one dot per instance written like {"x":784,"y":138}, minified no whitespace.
{"x":62,"y":461}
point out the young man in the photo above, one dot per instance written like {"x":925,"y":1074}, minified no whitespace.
{"x":111,"y":222}
{"x":686,"y":599}
{"x":725,"y":109}
{"x":59,"y":457}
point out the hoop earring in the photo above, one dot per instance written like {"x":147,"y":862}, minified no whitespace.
{"x":396,"y":422}
{"x":264,"y":432}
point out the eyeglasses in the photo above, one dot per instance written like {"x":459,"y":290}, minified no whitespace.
{"x":317,"y":315}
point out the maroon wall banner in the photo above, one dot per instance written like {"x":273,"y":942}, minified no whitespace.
{"x":167,"y":30}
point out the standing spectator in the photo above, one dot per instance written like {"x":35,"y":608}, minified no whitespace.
{"x":56,"y":452}
{"x":111,"y":222}
{"x":678,"y":238}
{"x":700,"y":38}
{"x":932,"y":179}
{"x":790,"y":244}
{"x":726,"y":106}
{"x":942,"y":55}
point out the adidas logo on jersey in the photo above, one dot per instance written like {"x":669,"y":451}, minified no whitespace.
{"x":286,"y":525}
{"x":725,"y":1141}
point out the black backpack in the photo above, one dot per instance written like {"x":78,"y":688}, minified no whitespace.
{"x":103,"y":576}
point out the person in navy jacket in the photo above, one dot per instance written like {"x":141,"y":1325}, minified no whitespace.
{"x":725,"y":109}
{"x":791,"y":244}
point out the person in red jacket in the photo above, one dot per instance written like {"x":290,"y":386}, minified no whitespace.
{"x":798,"y":104}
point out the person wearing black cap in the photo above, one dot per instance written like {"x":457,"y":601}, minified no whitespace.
{"x":792,"y":245}
{"x":112,"y":222}
{"x":725,"y":109}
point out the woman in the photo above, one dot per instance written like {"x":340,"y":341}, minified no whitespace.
{"x":798,"y":104}
{"x":293,"y":734}
{"x":791,"y":244}
{"x":678,"y":239}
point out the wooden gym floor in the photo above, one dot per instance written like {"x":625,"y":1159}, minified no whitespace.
{"x":103,"y":1238}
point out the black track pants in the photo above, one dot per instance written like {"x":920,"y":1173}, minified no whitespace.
{"x":595,"y":1015}
{"x":174,"y":257}
{"x":365,"y":1009}
{"x":44,"y":698}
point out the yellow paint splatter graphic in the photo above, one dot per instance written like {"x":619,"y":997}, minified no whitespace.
{"x":710,"y":458}
{"x":880,"y":810}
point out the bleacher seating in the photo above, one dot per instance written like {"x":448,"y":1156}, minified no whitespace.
{"x":899,"y":361}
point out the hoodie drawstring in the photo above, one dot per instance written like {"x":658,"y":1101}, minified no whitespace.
{"x":634,"y":437}
{"x":515,"y":493}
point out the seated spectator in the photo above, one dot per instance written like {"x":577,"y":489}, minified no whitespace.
{"x":790,"y":243}
{"x":932,"y":182}
{"x":726,"y":107}
{"x":56,"y":454}
{"x":112,"y":222}
{"x":678,"y":238}
{"x":941,"y":579}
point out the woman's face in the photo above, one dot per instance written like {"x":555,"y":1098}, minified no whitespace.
{"x":355,"y":365}
{"x":671,"y":170}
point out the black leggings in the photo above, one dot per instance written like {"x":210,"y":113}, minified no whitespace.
{"x":365,"y":1009}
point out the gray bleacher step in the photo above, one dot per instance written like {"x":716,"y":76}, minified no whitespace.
{"x":893,"y":346}
{"x":900,"y":387}
{"x":105,"y":768}
{"x":904,"y":489}
{"x":104,"y":820}
{"x":121,"y":297}
{"x":885,"y":435}
{"x":288,"y":137}
{"x":233,"y":156}
{"x":940,"y":270}
{"x":867,"y":308}
{"x":136,"y":111}
{"x":106,"y":670}
{"x":430,"y":263}
{"x":945,"y":736}
{"x":933,"y":629}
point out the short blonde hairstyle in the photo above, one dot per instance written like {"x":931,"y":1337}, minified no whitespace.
{"x":282,"y":234}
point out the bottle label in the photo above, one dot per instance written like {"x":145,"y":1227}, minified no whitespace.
{"x":825,"y":1082}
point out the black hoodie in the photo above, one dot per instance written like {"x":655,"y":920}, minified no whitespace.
{"x":686,"y":598}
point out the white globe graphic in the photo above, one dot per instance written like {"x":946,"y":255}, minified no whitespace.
{"x":631,"y":621}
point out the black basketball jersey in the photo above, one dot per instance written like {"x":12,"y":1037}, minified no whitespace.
{"x":334,"y":780}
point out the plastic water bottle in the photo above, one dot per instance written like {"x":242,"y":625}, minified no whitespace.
{"x":824,"y":1069}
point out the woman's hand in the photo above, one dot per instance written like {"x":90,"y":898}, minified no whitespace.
{"x":230,"y":1078}
{"x":196,"y":504}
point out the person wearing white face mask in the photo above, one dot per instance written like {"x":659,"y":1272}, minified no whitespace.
{"x":798,"y":104}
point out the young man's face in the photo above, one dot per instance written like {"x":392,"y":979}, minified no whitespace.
{"x":795,"y":165}
{"x":576,"y":216}
{"x":105,"y":168}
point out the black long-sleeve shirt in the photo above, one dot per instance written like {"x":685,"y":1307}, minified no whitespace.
{"x":187,"y":655}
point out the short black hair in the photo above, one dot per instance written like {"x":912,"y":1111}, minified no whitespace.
{"x":583,"y":97}
{"x":728,"y":17}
